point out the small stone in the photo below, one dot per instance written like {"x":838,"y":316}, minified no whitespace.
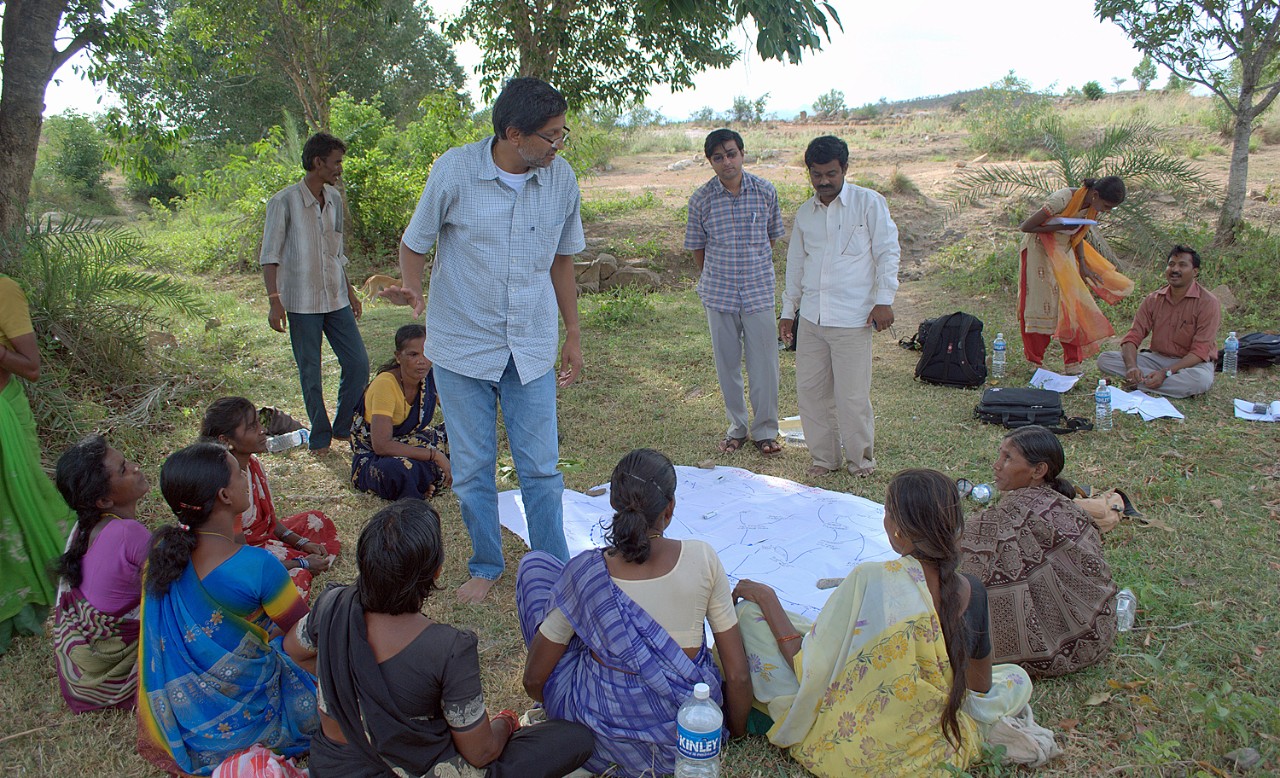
{"x":608,"y":265}
{"x":707,"y":464}
{"x":1226,"y":298}
{"x":1243,"y":758}
{"x":638,"y":277}
{"x":596,"y":491}
{"x":681,"y":165}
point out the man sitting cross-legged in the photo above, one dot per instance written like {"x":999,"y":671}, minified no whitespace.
{"x":1182,"y":319}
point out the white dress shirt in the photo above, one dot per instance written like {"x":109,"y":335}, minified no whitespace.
{"x":305,"y":241}
{"x":842,"y":260}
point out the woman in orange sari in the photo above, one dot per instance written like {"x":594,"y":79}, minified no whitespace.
{"x":1058,"y":271}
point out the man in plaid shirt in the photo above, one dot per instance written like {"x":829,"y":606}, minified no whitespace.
{"x":734,"y":220}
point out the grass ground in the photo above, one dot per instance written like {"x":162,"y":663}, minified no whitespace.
{"x":1198,"y":677}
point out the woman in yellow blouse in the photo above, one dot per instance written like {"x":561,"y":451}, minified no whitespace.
{"x":34,"y":520}
{"x":395,"y":450}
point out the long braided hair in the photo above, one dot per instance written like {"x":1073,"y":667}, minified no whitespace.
{"x":83,"y":480}
{"x":643,"y":485}
{"x":925,"y":505}
{"x":190,"y":480}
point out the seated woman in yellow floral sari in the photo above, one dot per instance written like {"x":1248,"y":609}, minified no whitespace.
{"x":895,"y":677}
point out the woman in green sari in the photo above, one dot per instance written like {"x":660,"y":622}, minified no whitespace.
{"x":34,"y":520}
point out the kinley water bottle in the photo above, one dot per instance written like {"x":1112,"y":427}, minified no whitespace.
{"x":1102,"y":407}
{"x":698,"y":725}
{"x":1126,"y":608}
{"x":288,"y":440}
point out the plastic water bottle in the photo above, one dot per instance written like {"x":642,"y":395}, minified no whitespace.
{"x":1102,"y":407}
{"x":1230,"y":355}
{"x":278,"y":443}
{"x":1126,"y":608}
{"x":981,"y":493}
{"x":998,"y":348}
{"x":698,"y":727}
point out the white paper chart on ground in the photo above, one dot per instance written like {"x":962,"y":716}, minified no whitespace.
{"x":768,"y":529}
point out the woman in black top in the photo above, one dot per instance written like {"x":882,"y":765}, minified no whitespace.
{"x":400,"y":693}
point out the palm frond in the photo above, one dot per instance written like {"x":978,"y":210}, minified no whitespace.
{"x":975,"y":185}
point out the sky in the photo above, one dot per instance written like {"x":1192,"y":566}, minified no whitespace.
{"x":895,"y":50}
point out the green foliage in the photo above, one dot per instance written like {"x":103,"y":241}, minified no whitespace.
{"x":76,"y":151}
{"x":830,"y":105}
{"x":1004,"y":118}
{"x":1247,"y":266}
{"x":594,"y":142}
{"x":91,"y":306}
{"x":160,"y":183}
{"x":1132,"y":150}
{"x":975,"y":270}
{"x":748,"y":111}
{"x":612,"y":51}
{"x":599,"y":208}
{"x":901,"y":183}
{"x":1144,"y":72}
{"x":1175,"y":84}
{"x":1238,"y":712}
{"x":617,"y":309}
{"x":385,"y":169}
{"x":1093,"y":90}
{"x":704,"y":115}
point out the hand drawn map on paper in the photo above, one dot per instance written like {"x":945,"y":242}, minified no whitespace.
{"x":768,"y":529}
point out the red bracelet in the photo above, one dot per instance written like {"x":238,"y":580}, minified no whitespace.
{"x":511,"y":718}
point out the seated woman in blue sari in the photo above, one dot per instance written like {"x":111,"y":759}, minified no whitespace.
{"x":394,"y":449}
{"x":213,"y":676}
{"x":616,"y":636}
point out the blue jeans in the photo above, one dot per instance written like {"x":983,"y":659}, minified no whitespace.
{"x":339,"y":327}
{"x":470,"y":408}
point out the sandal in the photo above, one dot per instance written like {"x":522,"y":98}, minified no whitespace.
{"x":767,"y":447}
{"x":730,"y":445}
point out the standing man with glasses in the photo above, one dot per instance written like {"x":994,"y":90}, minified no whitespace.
{"x":503,"y":214}
{"x":734,"y":220}
{"x":304,"y":269}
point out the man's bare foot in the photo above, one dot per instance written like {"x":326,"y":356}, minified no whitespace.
{"x":473,"y":592}
{"x":817,"y":471}
{"x":319,"y":452}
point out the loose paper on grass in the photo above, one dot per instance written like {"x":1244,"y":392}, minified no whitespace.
{"x":768,"y":529}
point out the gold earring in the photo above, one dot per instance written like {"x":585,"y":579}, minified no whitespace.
{"x":897,"y":534}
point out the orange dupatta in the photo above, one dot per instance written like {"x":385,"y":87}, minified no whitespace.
{"x":1079,"y":319}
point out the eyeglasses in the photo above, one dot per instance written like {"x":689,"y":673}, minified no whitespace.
{"x":559,"y":142}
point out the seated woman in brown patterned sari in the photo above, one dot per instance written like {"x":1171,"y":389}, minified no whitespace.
{"x":1050,"y":591}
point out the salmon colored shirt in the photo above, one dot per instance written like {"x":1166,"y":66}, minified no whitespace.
{"x":1189,"y":326}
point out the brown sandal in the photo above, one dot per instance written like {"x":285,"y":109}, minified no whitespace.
{"x":730,"y":445}
{"x":768,"y":447}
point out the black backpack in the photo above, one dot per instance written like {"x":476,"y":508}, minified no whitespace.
{"x":1016,"y":406}
{"x":954,"y":353}
{"x":1257,"y":349}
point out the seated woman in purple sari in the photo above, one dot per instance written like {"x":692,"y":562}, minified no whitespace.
{"x":395,"y":452}
{"x":616,"y":636}
{"x":95,"y":632}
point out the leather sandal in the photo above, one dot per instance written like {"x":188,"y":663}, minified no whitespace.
{"x":730,"y":445}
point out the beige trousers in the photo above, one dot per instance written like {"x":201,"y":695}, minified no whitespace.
{"x":833,"y":390}
{"x":1194,"y":380}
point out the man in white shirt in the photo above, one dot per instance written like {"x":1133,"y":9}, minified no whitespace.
{"x":842,"y":275}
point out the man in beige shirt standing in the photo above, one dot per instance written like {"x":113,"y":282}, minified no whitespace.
{"x":842,"y":275}
{"x":304,"y":268}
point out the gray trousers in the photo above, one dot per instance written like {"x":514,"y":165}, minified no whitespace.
{"x":754,"y":335}
{"x":1188,"y":382}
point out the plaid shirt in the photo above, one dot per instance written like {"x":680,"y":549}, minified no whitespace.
{"x":305,"y":242}
{"x":490,"y":297}
{"x":736,"y":234}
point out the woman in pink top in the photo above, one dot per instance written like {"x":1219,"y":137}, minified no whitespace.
{"x":95,"y":634}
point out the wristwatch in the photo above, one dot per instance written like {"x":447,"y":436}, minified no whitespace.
{"x":1168,"y":374}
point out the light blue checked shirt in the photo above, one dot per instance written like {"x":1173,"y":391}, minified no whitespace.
{"x":735,"y":232}
{"x":490,"y":297}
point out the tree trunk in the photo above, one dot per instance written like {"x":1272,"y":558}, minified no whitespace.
{"x":1232,"y":213}
{"x":29,"y":61}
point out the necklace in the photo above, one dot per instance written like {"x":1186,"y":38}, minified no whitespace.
{"x":216,"y":535}
{"x":655,"y":535}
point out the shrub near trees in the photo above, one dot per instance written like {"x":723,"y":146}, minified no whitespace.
{"x":1003,"y":118}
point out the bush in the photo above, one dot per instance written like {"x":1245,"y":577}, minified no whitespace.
{"x":1003,"y":118}
{"x":747,"y":111}
{"x":830,"y":105}
{"x":1093,"y":90}
{"x":77,"y":152}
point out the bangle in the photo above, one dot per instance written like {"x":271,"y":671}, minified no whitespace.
{"x":302,"y":543}
{"x":510,"y":717}
{"x":303,"y":563}
{"x":796,"y":636}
